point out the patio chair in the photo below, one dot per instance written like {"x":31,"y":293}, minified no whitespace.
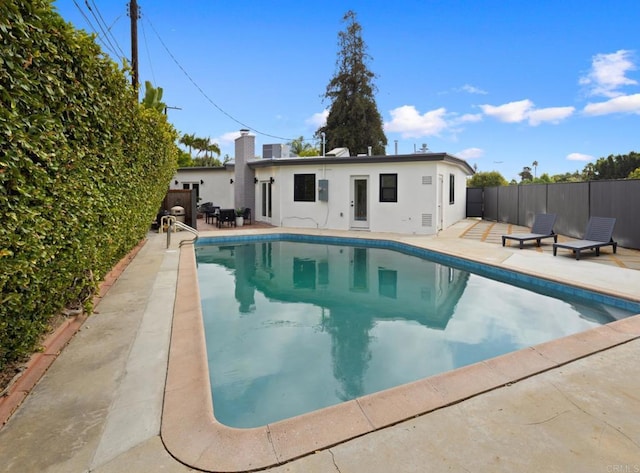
{"x":542,"y":228}
{"x":246,"y":215}
{"x":211,"y":213}
{"x":226,"y":216}
{"x":599,"y":233}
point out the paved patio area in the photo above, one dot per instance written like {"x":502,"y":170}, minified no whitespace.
{"x":99,"y":407}
{"x":491,"y":232}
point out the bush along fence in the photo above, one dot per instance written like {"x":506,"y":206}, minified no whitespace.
{"x":83,"y":169}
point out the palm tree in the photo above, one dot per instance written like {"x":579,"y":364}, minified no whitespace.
{"x":204,"y":145}
{"x":535,"y":168}
{"x":212,"y":148}
{"x":525,"y":175}
{"x":188,"y":141}
{"x":198,"y":145}
{"x":299,"y":147}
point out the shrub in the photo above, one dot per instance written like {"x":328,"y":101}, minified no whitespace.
{"x":83,"y":169}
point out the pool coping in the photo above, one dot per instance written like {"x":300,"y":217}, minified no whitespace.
{"x":193,"y":436}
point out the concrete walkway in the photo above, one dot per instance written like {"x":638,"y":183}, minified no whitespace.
{"x":98,"y":408}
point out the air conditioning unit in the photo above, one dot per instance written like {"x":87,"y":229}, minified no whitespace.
{"x":277,"y":150}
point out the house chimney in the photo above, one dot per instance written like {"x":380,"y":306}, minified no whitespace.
{"x":244,"y":192}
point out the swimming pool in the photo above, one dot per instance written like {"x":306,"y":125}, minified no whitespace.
{"x":279,"y":301}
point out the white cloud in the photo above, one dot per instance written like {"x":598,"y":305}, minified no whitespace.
{"x":470,"y":153}
{"x":473,"y":89}
{"x":622,"y":104}
{"x":550,"y":114}
{"x":468,"y":118}
{"x":411,"y":124}
{"x":579,"y":157}
{"x":227,"y":138}
{"x":512,"y":112}
{"x":608,"y":73}
{"x":516,"y":112}
{"x":317,"y":119}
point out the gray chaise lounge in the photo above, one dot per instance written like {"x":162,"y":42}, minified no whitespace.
{"x":542,"y":228}
{"x":599,"y":233}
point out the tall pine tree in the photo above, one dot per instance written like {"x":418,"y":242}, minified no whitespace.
{"x":354,"y":121}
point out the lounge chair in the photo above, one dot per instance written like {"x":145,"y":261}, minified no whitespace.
{"x":599,"y":233}
{"x":542,"y":228}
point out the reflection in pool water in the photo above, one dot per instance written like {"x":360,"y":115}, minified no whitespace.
{"x":293,"y":327}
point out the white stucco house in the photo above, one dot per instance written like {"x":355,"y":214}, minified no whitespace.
{"x":414,"y":193}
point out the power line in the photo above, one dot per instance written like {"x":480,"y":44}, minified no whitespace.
{"x":244,"y":125}
{"x":146,"y":47}
{"x":93,"y":28}
{"x":115,"y":21}
{"x":112,"y":47}
{"x":100,"y":20}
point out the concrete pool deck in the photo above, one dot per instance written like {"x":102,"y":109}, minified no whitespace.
{"x":99,"y":407}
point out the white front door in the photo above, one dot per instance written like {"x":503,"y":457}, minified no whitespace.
{"x":359,"y":215}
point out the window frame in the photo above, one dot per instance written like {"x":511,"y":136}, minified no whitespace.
{"x":384,"y":189}
{"x":304,"y":187}
{"x":452,"y":189}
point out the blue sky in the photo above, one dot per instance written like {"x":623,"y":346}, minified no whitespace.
{"x":499,"y":83}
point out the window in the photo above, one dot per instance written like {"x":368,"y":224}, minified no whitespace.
{"x":266,"y":199}
{"x":388,"y":283}
{"x":304,"y":273}
{"x":304,"y":187}
{"x":452,"y":188}
{"x":388,"y":188}
{"x":192,"y":185}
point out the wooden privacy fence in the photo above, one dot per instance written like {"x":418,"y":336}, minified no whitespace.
{"x":184,"y":198}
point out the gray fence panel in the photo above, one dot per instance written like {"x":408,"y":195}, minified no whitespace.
{"x":573,"y":203}
{"x":570,"y":202}
{"x":474,"y":201}
{"x":532,"y":201}
{"x":508,"y":204}
{"x":491,"y":203}
{"x":619,"y":199}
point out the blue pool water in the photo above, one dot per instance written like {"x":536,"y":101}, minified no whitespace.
{"x":294,"y":326}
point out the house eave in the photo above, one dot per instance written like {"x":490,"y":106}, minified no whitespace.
{"x":402,"y":158}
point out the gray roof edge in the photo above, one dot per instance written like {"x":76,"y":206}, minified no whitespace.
{"x":207,"y":168}
{"x":401,"y":158}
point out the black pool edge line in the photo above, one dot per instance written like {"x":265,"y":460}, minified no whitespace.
{"x":489,"y":270}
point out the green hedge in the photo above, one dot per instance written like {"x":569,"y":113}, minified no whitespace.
{"x":83,"y":169}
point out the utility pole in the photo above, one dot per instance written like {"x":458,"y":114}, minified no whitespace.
{"x":133,"y":14}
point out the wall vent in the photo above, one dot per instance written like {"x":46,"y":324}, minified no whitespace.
{"x":427,"y":220}
{"x":427,"y":180}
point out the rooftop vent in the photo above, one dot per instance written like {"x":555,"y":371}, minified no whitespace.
{"x":339,"y":152}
